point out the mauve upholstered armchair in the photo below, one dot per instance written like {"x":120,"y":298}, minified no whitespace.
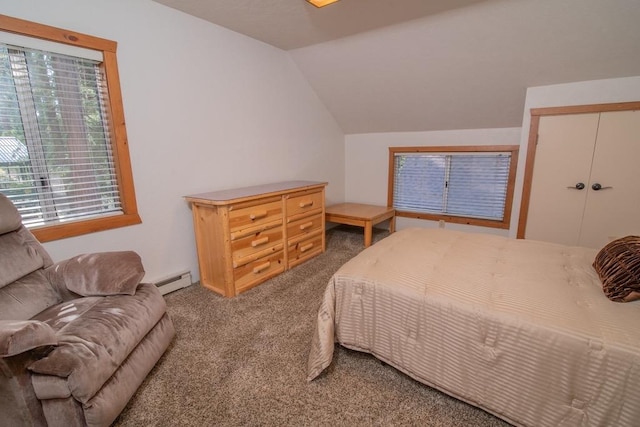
{"x":78,"y":337}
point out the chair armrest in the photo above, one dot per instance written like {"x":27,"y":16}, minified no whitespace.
{"x":19,"y":336}
{"x":98,"y":274}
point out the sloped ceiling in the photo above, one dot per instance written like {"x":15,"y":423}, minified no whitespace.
{"x":415,"y":65}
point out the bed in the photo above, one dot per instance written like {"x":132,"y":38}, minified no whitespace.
{"x":519,"y":328}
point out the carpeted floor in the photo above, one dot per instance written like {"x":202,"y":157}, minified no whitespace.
{"x":242,"y":362}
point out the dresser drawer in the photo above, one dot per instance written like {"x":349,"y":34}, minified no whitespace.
{"x":255,"y":245}
{"x":258,"y":271}
{"x":304,"y":249}
{"x":307,"y":202}
{"x":248,"y":215}
{"x":304,"y":226}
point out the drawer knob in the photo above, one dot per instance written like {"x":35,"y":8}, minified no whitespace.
{"x":257,"y":215}
{"x":306,"y":225}
{"x":260,"y":268}
{"x":259,"y":242}
{"x":306,"y":247}
{"x":306,"y":204}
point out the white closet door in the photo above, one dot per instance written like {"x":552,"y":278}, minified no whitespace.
{"x":562,"y":161}
{"x":614,"y":212}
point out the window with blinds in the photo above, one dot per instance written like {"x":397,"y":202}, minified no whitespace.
{"x":64,"y":161}
{"x":56,"y":162}
{"x":472,"y":185}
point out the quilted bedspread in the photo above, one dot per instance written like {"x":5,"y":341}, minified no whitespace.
{"x":519,"y":328}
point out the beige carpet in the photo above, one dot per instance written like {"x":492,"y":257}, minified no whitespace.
{"x":242,"y":362}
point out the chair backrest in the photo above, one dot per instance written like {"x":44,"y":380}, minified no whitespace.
{"x":24,"y":289}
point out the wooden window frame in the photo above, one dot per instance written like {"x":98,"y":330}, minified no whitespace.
{"x":122,"y":161}
{"x":504,"y":223}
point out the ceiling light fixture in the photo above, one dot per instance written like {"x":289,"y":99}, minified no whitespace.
{"x":321,"y":3}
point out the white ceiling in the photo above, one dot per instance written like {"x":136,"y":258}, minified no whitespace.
{"x":413,"y":65}
{"x":291,"y":24}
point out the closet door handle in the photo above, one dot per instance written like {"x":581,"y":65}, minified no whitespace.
{"x":578,"y":186}
{"x":598,"y":187}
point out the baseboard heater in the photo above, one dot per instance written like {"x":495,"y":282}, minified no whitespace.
{"x":173,"y":282}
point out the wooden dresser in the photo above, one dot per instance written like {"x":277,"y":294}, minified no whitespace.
{"x":245,"y":236}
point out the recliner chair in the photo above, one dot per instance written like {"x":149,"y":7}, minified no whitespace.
{"x":78,"y":337}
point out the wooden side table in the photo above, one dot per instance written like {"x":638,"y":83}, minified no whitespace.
{"x":362,"y":216}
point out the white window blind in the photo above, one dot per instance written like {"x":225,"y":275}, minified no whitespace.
{"x":459,"y":184}
{"x":56,"y":161}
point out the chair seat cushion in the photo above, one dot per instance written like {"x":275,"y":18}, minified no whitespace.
{"x":95,"y":335}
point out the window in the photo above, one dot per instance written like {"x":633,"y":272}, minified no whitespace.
{"x":462,"y":184}
{"x":64,"y":160}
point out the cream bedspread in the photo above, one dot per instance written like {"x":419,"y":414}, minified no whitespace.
{"x":520,"y":328}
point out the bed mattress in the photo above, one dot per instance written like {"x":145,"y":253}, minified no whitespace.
{"x":519,"y":328}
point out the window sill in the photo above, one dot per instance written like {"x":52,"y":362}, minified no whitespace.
{"x":78,"y":228}
{"x":504,"y":224}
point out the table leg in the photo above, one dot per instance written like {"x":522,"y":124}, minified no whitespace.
{"x":392,"y":225}
{"x":368,"y":232}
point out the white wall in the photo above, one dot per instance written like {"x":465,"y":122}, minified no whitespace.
{"x":578,"y":93}
{"x":367,"y":160}
{"x":206,"y":109}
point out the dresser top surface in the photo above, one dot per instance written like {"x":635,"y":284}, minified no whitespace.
{"x":224,"y":197}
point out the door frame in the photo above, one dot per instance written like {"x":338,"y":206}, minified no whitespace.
{"x":532,"y":142}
